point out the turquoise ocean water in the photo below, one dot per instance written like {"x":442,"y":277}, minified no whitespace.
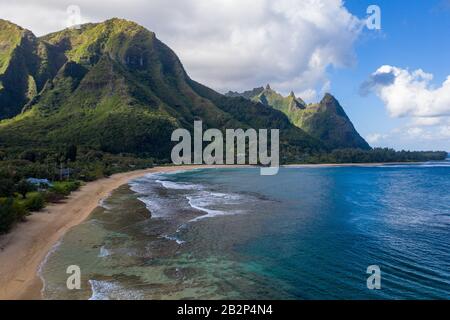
{"x":306,"y":233}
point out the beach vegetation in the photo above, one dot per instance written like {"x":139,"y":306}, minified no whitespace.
{"x":65,"y":167}
{"x":65,"y":187}
{"x":11,"y":211}
{"x":34,"y":202}
{"x":23,"y":187}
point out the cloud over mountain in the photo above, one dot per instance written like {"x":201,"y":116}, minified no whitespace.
{"x":231,"y":44}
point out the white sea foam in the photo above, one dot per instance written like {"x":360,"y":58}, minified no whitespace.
{"x":102,"y":203}
{"x":145,"y":188}
{"x":183,"y":171}
{"x":44,"y":262}
{"x":198,"y":198}
{"x":156,"y":210}
{"x":140,"y":185}
{"x":179,"y":186}
{"x":204,"y":200}
{"x":107,"y":290}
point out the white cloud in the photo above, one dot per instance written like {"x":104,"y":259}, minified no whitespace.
{"x":409,"y":137}
{"x":444,"y":131}
{"x":410,"y":93}
{"x":232,"y":44}
{"x":374,"y":138}
{"x":421,"y":121}
{"x":308,"y":95}
{"x":414,"y":132}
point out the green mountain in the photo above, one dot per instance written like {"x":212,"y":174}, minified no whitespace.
{"x":113,"y":86}
{"x":26,"y":64}
{"x":326,"y":120}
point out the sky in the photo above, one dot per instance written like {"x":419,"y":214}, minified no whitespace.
{"x":390,"y":72}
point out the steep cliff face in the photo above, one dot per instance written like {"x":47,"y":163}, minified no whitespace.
{"x":326,"y":120}
{"x":116,"y":87}
{"x":26,"y":64}
{"x":17,"y":65}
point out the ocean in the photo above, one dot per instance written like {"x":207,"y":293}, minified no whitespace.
{"x":306,"y":233}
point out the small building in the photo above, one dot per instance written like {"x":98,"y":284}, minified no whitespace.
{"x":40,"y":183}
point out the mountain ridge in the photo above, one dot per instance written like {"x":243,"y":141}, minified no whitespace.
{"x":114,"y":86}
{"x":326,"y":120}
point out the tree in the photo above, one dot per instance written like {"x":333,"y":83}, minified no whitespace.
{"x":23,"y":187}
{"x":71,"y":153}
{"x":29,"y":155}
{"x":6,"y":187}
{"x":7,"y":215}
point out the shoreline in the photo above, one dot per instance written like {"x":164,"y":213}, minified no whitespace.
{"x":27,"y":246}
{"x":352,"y":164}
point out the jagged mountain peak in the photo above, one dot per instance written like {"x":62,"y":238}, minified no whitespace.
{"x":325,"y":120}
{"x":122,"y":40}
{"x":328,"y":98}
{"x":121,"y":22}
{"x":6,"y":24}
{"x":104,"y":28}
{"x":267,"y":95}
{"x":332,"y":104}
{"x":246,"y":94}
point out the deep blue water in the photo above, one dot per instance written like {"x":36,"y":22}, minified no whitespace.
{"x":328,"y":225}
{"x":306,"y":233}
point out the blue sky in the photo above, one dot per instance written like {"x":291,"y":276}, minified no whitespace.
{"x":414,"y":35}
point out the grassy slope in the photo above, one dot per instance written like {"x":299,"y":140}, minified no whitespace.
{"x":26,"y":64}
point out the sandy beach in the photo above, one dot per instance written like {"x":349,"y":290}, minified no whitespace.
{"x":24,"y":249}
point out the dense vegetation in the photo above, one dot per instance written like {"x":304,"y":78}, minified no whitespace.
{"x":376,"y":155}
{"x":66,"y":168}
